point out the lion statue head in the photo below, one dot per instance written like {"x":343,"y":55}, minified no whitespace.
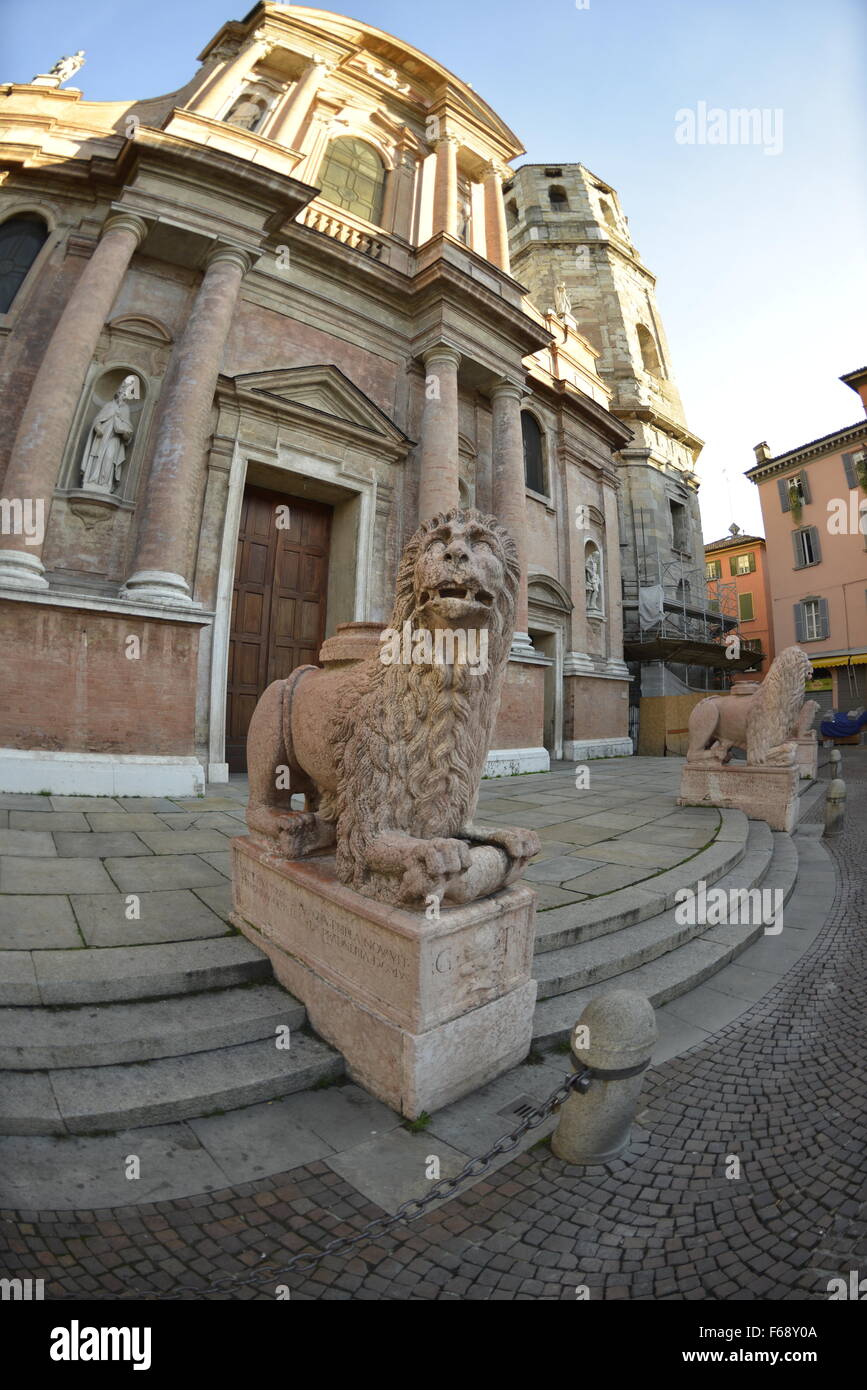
{"x":411,"y":750}
{"x":776,"y":708}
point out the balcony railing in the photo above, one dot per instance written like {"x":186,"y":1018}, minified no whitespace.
{"x":344,"y":228}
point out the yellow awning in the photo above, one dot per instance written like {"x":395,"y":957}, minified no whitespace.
{"x":857,"y":659}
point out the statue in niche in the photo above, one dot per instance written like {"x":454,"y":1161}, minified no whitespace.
{"x":110,"y":433}
{"x":592,"y":581}
{"x":65,"y":68}
{"x":562,"y":301}
{"x":247,"y":112}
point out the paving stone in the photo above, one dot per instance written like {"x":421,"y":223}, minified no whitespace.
{"x":391,"y":1168}
{"x":548,"y":895}
{"x":108,"y":822}
{"x":607,"y":879}
{"x":221,"y":860}
{"x":24,"y":801}
{"x":183,"y":841}
{"x":558,"y":868}
{"x":258,"y":1140}
{"x":159,"y":871}
{"x":218,"y":898}
{"x":171,"y":915}
{"x":33,"y":843}
{"x":47,"y":820}
{"x":145,"y":804}
{"x":30,"y":923}
{"x":98,"y":844}
{"x":342,"y":1115}
{"x":53,"y":876}
{"x":84,"y":803}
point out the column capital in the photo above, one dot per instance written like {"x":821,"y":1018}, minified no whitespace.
{"x":495,"y":170}
{"x":505,"y":389}
{"x":122,"y":221}
{"x":441,"y":352}
{"x":264,"y":40}
{"x":233,"y":254}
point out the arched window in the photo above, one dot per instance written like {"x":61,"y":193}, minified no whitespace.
{"x":534,"y":453}
{"x":21,"y":240}
{"x":608,"y":214}
{"x":558,"y":198}
{"x":353,"y":177}
{"x":649,"y":355}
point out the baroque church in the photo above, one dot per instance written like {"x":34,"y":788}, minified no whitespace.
{"x":256,"y":329}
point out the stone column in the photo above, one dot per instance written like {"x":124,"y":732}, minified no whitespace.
{"x":496,"y":234}
{"x":162,"y":550}
{"x":510,"y":503}
{"x":445,"y":202}
{"x":291,"y":115}
{"x":233,"y":75}
{"x":54,"y":395}
{"x":438,"y":454}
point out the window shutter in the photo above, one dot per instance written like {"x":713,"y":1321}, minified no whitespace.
{"x":798,"y":549}
{"x":783,"y":486}
{"x":752,"y":562}
{"x":824,"y":621}
{"x":805,"y":485}
{"x":849,"y":465}
{"x":800,"y":628}
{"x":733,"y":564}
{"x":817,"y":549}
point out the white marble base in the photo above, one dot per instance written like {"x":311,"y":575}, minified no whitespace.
{"x":424,"y":1011}
{"x":509,"y":762}
{"x":18,"y":570}
{"x":99,"y":774}
{"x":580,"y":749}
{"x":158,"y":586}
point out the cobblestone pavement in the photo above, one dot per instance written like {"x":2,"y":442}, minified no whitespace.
{"x":781,"y":1089}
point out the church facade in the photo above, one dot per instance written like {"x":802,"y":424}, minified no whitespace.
{"x":252,"y":332}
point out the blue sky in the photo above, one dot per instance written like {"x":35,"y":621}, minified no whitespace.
{"x":760,"y":258}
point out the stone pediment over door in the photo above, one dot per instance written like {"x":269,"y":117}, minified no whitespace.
{"x":326,"y":393}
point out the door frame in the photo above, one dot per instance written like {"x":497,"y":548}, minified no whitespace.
{"x":293,"y":465}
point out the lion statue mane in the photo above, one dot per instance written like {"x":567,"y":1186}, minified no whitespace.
{"x":390,"y":754}
{"x":765,"y":722}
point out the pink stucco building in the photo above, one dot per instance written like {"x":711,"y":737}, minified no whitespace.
{"x":814,"y":504}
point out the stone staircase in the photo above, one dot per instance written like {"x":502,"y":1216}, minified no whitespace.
{"x":636,"y":943}
{"x":103,"y":1040}
{"x":109,"y":1039}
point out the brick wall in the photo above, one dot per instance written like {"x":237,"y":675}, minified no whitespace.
{"x":71,"y":686}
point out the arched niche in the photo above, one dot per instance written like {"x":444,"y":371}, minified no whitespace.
{"x":594,"y":580}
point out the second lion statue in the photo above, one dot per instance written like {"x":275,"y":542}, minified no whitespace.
{"x":389,"y":756}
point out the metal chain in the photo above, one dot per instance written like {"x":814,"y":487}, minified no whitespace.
{"x":409,"y":1210}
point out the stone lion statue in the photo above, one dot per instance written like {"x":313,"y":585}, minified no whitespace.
{"x":389,"y":755}
{"x":763,"y":720}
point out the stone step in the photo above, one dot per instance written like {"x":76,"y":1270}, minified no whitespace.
{"x":600,"y":958}
{"x":584,"y":921}
{"x":674,"y":972}
{"x":111,"y":973}
{"x":97,"y":1035}
{"x":88,"y":1100}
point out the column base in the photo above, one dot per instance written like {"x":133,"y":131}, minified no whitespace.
{"x":18,"y":570}
{"x":158,"y":586}
{"x":65,"y":773}
{"x":580,"y":749}
{"x":509,"y":762}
